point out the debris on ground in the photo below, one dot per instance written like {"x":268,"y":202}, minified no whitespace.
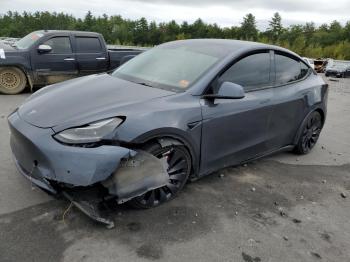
{"x":343,"y":195}
{"x":245,"y":165}
{"x":253,"y":189}
{"x":285,"y":238}
{"x":248,"y":258}
{"x":253,"y":242}
{"x":276,"y":203}
{"x":236,"y":213}
{"x":301,"y":197}
{"x":296,"y":221}
{"x":326,"y":237}
{"x":282,"y":212}
{"x":316,"y":255}
{"x":324,"y":181}
{"x":221,"y":175}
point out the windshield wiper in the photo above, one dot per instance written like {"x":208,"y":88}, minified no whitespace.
{"x":144,"y":84}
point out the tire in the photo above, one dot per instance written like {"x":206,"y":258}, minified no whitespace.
{"x":12,"y":80}
{"x":310,"y":133}
{"x":179,"y":169}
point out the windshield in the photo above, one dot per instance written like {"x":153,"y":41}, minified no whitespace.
{"x":28,"y":40}
{"x":171,"y":68}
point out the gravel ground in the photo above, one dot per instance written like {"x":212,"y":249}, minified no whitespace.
{"x":281,"y":208}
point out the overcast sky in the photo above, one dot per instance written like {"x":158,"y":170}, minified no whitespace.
{"x":222,"y":12}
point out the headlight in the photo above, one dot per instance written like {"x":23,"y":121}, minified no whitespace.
{"x":91,"y":133}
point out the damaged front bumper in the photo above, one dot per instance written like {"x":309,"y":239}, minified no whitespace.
{"x":54,"y":167}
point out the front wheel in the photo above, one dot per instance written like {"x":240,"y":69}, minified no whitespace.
{"x":12,"y":80}
{"x":310,"y":133}
{"x":178,"y":162}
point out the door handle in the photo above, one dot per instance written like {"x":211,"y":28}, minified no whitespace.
{"x":69,"y":59}
{"x":100,"y":58}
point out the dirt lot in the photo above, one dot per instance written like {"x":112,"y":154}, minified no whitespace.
{"x":281,"y":208}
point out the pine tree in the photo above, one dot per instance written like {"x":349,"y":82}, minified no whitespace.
{"x":275,"y":27}
{"x":248,"y":28}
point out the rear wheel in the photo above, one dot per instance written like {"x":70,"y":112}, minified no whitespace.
{"x":310,"y":133}
{"x":178,"y":167}
{"x":12,"y":80}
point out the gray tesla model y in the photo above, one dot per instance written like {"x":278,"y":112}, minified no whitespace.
{"x":176,"y":112}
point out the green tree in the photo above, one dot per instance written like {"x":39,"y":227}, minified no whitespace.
{"x":328,"y":40}
{"x":275,"y":27}
{"x":248,"y":29}
{"x":141,"y":32}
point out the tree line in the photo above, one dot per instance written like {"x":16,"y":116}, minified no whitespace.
{"x":327,"y":40}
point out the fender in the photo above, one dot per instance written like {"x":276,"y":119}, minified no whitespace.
{"x":300,"y":129}
{"x":172,"y":136}
{"x":29,"y":76}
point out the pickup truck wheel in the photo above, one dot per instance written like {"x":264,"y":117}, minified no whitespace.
{"x":12,"y":80}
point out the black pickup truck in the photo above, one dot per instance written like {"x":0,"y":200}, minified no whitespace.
{"x":50,"y":56}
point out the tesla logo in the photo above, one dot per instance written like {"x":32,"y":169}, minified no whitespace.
{"x":32,"y":112}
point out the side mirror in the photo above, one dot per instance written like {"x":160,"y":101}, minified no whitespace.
{"x":44,"y":49}
{"x":228,"y":90}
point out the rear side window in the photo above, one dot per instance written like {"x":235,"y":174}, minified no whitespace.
{"x":88,"y":44}
{"x":59,"y":45}
{"x":251,"y":72}
{"x":289,"y":69}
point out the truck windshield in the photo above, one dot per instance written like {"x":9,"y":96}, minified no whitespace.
{"x":173,"y":69}
{"x":28,"y":40}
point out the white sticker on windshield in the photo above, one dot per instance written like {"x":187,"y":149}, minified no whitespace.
{"x":2,"y":54}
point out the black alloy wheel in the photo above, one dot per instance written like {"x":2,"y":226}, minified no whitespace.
{"x":310,"y":134}
{"x":178,"y":162}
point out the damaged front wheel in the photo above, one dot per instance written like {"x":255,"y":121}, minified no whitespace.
{"x":178,"y":164}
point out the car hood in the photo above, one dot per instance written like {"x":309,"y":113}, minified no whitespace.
{"x":6,"y":46}
{"x":87,"y":98}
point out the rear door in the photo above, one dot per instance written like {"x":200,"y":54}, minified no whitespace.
{"x":290,"y":98}
{"x":235,"y":130}
{"x":91,"y":54}
{"x":57,"y":65}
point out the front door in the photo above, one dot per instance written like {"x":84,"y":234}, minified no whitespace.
{"x":57,"y":65}
{"x":236,"y":130}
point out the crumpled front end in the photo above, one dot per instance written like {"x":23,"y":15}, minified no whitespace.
{"x":124,"y":173}
{"x":38,"y":154}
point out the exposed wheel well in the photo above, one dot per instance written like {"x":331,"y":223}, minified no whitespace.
{"x":172,"y":140}
{"x":320,"y":111}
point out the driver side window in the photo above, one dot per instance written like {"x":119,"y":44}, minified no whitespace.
{"x":251,"y":72}
{"x":59,"y":45}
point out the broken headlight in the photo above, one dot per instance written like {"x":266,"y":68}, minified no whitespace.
{"x":91,"y":133}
